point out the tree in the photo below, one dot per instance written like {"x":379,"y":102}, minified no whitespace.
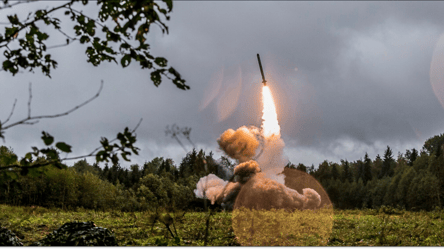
{"x":387,"y":169}
{"x":367,"y":170}
{"x":401,"y":193}
{"x":421,"y":162}
{"x":323,"y":172}
{"x":379,"y":191}
{"x":120,"y":23}
{"x":359,"y":170}
{"x":434,"y":144}
{"x":117,"y":34}
{"x":346,"y":173}
{"x":311,"y":170}
{"x":357,"y":192}
{"x":390,"y":197}
{"x":83,"y":166}
{"x":334,"y":171}
{"x":377,"y":167}
{"x":411,"y":156}
{"x":301,"y":167}
{"x":423,"y":192}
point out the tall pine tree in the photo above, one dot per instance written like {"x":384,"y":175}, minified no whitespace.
{"x":367,"y":170}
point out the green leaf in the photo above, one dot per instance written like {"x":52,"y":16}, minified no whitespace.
{"x":14,"y":20}
{"x":84,"y":39}
{"x":28,"y":156}
{"x":50,"y":153}
{"x":161,"y":61}
{"x":63,"y":147}
{"x":156,"y":77}
{"x":169,"y":4}
{"x":126,"y":60}
{"x":47,"y":139}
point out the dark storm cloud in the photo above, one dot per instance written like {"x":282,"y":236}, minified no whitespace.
{"x":348,"y":77}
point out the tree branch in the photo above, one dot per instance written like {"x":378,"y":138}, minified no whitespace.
{"x":17,"y":3}
{"x":17,"y":166}
{"x":12,"y":111}
{"x":7,"y":39}
{"x":24,"y":121}
{"x":96,"y":149}
{"x":29,"y":100}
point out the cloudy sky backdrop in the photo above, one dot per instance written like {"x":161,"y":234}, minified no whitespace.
{"x":347,"y":78}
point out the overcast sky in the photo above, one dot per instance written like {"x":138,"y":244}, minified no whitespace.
{"x":347,"y":78}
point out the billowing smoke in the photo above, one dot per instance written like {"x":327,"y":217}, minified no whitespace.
{"x":257,"y":183}
{"x":272,"y":160}
{"x":209,"y":186}
{"x":263,"y":193}
{"x":240,"y":144}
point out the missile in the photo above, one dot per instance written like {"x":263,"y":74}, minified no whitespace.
{"x":262,"y":71}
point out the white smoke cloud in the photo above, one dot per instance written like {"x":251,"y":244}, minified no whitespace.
{"x":209,"y":187}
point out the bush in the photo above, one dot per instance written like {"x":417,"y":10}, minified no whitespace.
{"x":79,"y":234}
{"x":8,"y":238}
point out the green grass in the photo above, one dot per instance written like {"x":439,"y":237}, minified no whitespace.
{"x":350,"y":228}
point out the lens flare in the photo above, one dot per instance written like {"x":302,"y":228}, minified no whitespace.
{"x":270,"y":125}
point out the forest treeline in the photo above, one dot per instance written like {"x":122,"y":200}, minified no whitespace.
{"x":413,"y":180}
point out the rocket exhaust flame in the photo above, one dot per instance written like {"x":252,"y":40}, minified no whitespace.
{"x":270,"y":125}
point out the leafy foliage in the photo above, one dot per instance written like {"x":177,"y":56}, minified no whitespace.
{"x":8,"y":238}
{"x":78,"y":234}
{"x":118,"y":33}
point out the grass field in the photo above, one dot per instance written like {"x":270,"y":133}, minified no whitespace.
{"x":350,"y":227}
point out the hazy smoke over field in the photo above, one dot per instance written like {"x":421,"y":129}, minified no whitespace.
{"x":254,"y":180}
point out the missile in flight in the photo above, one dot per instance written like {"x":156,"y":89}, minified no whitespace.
{"x":262,"y":71}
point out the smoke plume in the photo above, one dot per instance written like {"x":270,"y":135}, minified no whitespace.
{"x":240,"y":144}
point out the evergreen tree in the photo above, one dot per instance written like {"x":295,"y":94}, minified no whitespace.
{"x":387,"y":169}
{"x":346,"y":173}
{"x":135,"y":175}
{"x":367,"y":170}
{"x":301,"y":167}
{"x":359,"y":170}
{"x":311,"y":170}
{"x":186,"y":167}
{"x":357,"y":194}
{"x":323,"y":172}
{"x":332,"y":187}
{"x":290,"y":165}
{"x":377,"y":167}
{"x":411,"y":156}
{"x":334,"y":171}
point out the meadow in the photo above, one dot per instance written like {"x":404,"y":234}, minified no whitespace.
{"x":383,"y":227}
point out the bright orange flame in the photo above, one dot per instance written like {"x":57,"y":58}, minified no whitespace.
{"x":270,"y":125}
